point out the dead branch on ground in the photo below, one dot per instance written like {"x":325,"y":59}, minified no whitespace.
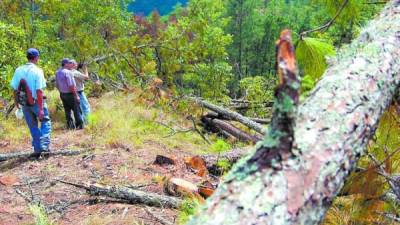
{"x":130,"y":195}
{"x":20,"y":155}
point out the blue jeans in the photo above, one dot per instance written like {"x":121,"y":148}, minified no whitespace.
{"x":85,"y":107}
{"x":40,"y":136}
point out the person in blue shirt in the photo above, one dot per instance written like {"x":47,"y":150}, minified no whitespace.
{"x":33,"y":77}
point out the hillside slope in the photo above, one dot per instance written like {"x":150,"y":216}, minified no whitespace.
{"x":125,"y":135}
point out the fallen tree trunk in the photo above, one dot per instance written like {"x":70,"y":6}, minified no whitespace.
{"x":230,"y":114}
{"x":261,"y":121}
{"x":244,"y":104}
{"x":133,"y":196}
{"x":214,"y":115}
{"x":20,"y":155}
{"x":230,"y":129}
{"x":332,"y":130}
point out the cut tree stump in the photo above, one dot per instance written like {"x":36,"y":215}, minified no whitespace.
{"x":178,"y":187}
{"x":164,"y":160}
{"x":197,"y":163}
{"x":20,"y":155}
{"x":133,"y":196}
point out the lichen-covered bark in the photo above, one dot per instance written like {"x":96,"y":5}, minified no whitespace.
{"x":332,"y":129}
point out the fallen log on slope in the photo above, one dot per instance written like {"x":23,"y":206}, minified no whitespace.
{"x":231,"y":114}
{"x":20,"y":155}
{"x":230,"y":129}
{"x":238,"y":104}
{"x":214,"y":115}
{"x":133,"y":196}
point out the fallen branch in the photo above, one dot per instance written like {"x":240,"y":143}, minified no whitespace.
{"x":328,"y":24}
{"x":19,"y":155}
{"x":9,"y":110}
{"x":133,"y":196}
{"x":231,"y":114}
{"x":197,"y":130}
{"x":62,"y":206}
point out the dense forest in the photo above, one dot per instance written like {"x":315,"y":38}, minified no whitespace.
{"x":145,"y":7}
{"x":157,"y":78}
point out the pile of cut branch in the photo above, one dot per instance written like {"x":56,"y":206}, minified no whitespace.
{"x":219,"y":120}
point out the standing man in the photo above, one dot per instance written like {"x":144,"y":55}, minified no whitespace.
{"x":28,"y":83}
{"x":65,"y":83}
{"x":80,"y":86}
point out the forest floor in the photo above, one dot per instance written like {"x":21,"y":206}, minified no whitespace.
{"x":125,"y":138}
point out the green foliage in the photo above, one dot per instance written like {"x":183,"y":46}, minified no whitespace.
{"x":307,"y":84}
{"x":220,"y":146}
{"x":11,"y":42}
{"x":257,"y":90}
{"x":311,"y":55}
{"x":225,"y":165}
{"x":39,"y":214}
{"x":147,"y":6}
{"x":188,"y":208}
{"x":347,"y":26}
{"x":255,"y":26}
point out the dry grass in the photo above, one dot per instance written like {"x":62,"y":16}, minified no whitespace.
{"x":119,"y":120}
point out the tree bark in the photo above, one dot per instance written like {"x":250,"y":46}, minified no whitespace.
{"x":214,"y":115}
{"x":133,"y":196}
{"x":332,"y":129}
{"x":230,"y":129}
{"x":232,"y":115}
{"x":19,"y":155}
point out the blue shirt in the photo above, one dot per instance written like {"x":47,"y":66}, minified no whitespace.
{"x":64,"y":80}
{"x":33,"y":76}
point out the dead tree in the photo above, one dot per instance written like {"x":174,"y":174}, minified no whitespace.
{"x":332,"y":128}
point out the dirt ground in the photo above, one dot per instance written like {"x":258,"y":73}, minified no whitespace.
{"x":105,"y":165}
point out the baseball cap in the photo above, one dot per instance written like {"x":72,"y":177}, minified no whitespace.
{"x":73,"y":61}
{"x":65,"y":61}
{"x":32,"y":52}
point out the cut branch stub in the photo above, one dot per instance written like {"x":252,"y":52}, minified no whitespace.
{"x":279,"y":139}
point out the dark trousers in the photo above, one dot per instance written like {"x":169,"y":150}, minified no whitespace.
{"x":70,"y":105}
